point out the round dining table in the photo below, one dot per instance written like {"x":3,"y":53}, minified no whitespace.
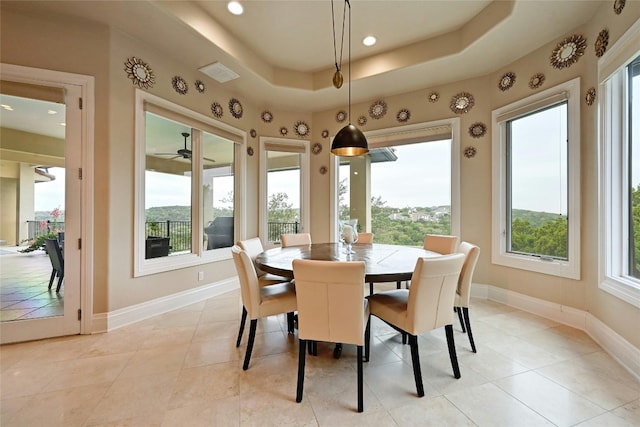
{"x":383,"y":263}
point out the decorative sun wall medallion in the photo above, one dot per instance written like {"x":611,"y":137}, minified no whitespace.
{"x":139,"y":72}
{"x":341,"y":116}
{"x":301,"y":129}
{"x":470,"y":152}
{"x":618,"y":5}
{"x":601,"y":43}
{"x":235,"y":107}
{"x":434,"y":96}
{"x":217,"y":111}
{"x":477,"y":130}
{"x":362,"y":120}
{"x":316,"y":148}
{"x":323,"y":170}
{"x":590,"y":97}
{"x":200,"y":87}
{"x":378,"y":109}
{"x":403,"y":115}
{"x":507,"y":81}
{"x":325,"y":133}
{"x":253,"y":133}
{"x":180,"y":85}
{"x":568,"y":51}
{"x":250,"y":151}
{"x":266,"y":116}
{"x":283,"y":131}
{"x":536,"y":81}
{"x":462,"y":103}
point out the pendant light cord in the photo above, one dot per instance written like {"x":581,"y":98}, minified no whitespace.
{"x":335,"y":47}
{"x":346,"y":2}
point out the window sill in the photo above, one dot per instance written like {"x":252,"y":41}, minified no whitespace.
{"x":623,"y":288}
{"x":538,"y":265}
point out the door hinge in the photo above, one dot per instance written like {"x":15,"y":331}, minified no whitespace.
{"x":79,"y":314}
{"x":80,"y":103}
{"x":79,"y":173}
{"x":79,"y":244}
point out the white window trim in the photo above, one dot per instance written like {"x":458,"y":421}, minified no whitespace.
{"x":499,"y":254}
{"x":142,"y":266}
{"x":305,"y":183}
{"x":613,"y":170}
{"x":413,"y":132}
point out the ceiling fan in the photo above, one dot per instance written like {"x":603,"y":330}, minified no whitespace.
{"x":185,"y":153}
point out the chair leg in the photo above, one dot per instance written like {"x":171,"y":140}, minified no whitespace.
{"x":242,"y":322}
{"x":371,"y":288}
{"x":398,"y":284}
{"x":457,"y":310}
{"x":302,"y":353}
{"x":415,"y":359}
{"x":60,"y":278}
{"x":360,"y":381}
{"x":467,"y":322}
{"x":367,"y":340}
{"x":252,"y":336}
{"x":452,"y":350}
{"x":53,"y":276}
{"x":290,"y":326}
{"x":404,"y":337}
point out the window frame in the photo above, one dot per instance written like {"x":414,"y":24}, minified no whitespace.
{"x":198,"y":256}
{"x":406,"y":134}
{"x":613,"y":174}
{"x":563,"y":268}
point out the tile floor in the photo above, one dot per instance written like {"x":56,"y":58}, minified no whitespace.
{"x":183,"y":369}
{"x":24,"y":279}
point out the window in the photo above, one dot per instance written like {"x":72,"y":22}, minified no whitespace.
{"x":406,"y":186}
{"x":186,"y":186}
{"x":284,"y":191}
{"x":536,"y":208}
{"x":619,"y":147}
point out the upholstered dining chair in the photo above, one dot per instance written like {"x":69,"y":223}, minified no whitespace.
{"x":297,"y":239}
{"x":261,"y":301}
{"x":331,"y":308}
{"x":427,"y":305}
{"x":366,"y":239}
{"x":254,"y":247}
{"x":442,"y":244}
{"x":57,"y":262}
{"x":463,"y":293}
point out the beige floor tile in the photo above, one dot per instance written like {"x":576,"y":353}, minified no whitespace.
{"x":224,"y":412}
{"x":156,"y":360}
{"x":205,"y":383}
{"x":93,"y":370}
{"x":207,"y":352}
{"x":429,"y":411}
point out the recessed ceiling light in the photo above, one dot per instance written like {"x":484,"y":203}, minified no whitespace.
{"x":369,"y":41}
{"x":235,"y":7}
{"x":7,"y":107}
{"x":51,"y":112}
{"x":63,"y":124}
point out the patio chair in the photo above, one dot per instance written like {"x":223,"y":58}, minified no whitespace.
{"x":57,"y":262}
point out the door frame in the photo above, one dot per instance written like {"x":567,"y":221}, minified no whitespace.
{"x":22,"y":74}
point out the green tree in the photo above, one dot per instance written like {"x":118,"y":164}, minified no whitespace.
{"x":280,"y":210}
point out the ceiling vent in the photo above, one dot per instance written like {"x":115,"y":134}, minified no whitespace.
{"x":219,"y":72}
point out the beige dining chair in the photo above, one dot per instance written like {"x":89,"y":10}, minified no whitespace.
{"x":261,"y":301}
{"x":364,"y":238}
{"x":254,"y":247}
{"x":443,"y":244}
{"x":463,"y":293}
{"x":331,"y":308}
{"x":427,"y":305}
{"x":297,"y":239}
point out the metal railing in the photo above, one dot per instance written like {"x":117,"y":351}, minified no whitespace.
{"x":178,"y":232}
{"x":36,"y":229}
{"x":275,"y":229}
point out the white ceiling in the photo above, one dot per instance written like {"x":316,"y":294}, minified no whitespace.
{"x":283,"y":50}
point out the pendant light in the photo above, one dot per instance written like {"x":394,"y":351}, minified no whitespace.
{"x":349,"y":141}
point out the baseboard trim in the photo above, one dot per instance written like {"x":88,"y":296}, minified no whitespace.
{"x":610,"y":341}
{"x":106,"y":322}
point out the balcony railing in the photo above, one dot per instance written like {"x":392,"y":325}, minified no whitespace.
{"x":275,"y":229}
{"x":36,"y":229}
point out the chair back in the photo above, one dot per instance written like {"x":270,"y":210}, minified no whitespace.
{"x":55,"y":254}
{"x":441,"y":243}
{"x":330,"y":299}
{"x":253,"y":247}
{"x":433,"y":288}
{"x":365,"y":238}
{"x":471,"y":253}
{"x":298,"y":239}
{"x":249,"y":284}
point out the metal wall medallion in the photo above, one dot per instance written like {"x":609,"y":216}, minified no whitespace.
{"x":470,"y":152}
{"x":235,"y":107}
{"x":590,"y":97}
{"x":507,"y":81}
{"x":325,"y":133}
{"x":477,"y":130}
{"x":618,"y":5}
{"x":536,"y":81}
{"x":378,"y":109}
{"x":403,"y":115}
{"x":362,"y":120}
{"x":341,"y":116}
{"x":601,"y":43}
{"x":283,"y":131}
{"x":568,"y":51}
{"x":323,"y":170}
{"x":200,"y":87}
{"x":139,"y":72}
{"x":316,"y":148}
{"x":180,"y":85}
{"x":266,"y":116}
{"x":462,"y":103}
{"x":250,"y":151}
{"x":301,"y":129}
{"x":216,"y":109}
{"x":434,"y":96}
{"x":253,"y":133}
